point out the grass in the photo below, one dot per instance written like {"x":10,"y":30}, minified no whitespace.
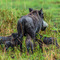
{"x":12,"y":10}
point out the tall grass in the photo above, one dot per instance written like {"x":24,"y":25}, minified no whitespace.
{"x":12,"y":10}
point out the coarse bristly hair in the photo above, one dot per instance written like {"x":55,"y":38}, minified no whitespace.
{"x":34,"y":15}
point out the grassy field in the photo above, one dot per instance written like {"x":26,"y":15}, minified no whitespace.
{"x":12,"y":10}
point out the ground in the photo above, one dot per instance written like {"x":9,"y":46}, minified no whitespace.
{"x":12,"y":10}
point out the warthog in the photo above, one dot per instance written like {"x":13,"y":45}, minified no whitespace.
{"x":30,"y":24}
{"x":49,"y":40}
{"x":9,"y":41}
{"x":29,"y":43}
{"x":45,"y":40}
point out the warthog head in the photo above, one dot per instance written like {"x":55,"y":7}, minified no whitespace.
{"x":40,"y":12}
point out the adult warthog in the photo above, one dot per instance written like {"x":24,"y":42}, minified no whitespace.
{"x":30,"y":24}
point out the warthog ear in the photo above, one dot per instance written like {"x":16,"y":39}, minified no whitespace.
{"x":14,"y":35}
{"x":40,"y":11}
{"x":30,"y":9}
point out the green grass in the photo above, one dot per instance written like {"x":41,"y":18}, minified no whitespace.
{"x":12,"y":10}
